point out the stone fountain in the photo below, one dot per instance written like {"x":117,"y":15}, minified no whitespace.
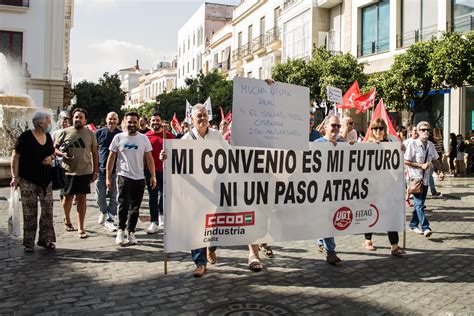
{"x":15,"y":117}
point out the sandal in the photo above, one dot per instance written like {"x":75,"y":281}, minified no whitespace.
{"x":82,"y":234}
{"x":267,"y":251}
{"x":398,"y":252}
{"x":29,"y":249}
{"x":68,"y":227}
{"x":50,"y":245}
{"x":368,"y":245}
{"x":254,"y":263}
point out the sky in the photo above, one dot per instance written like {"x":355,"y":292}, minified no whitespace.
{"x":109,"y":35}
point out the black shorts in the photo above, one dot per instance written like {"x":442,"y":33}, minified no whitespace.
{"x":78,"y":184}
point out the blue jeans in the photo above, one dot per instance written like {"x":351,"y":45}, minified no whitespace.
{"x":432,"y":183}
{"x":200,"y":255}
{"x":418,"y":217}
{"x":101,"y":190}
{"x":328,"y":243}
{"x":155,"y":201}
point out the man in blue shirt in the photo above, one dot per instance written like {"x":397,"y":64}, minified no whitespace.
{"x":313,"y":134}
{"x":104,"y":138}
{"x":332,"y":127}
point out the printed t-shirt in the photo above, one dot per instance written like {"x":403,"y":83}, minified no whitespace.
{"x":130,"y":154}
{"x":80,"y":143}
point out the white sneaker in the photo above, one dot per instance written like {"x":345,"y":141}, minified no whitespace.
{"x":110,"y":226}
{"x":427,"y":233}
{"x":153,"y":229}
{"x":161,"y":221}
{"x":416,"y":230}
{"x":120,"y":239}
{"x":131,"y":239}
{"x":101,"y":219}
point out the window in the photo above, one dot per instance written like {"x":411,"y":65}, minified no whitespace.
{"x":463,"y":15}
{"x":276,"y":15}
{"x":194,"y":63}
{"x":260,"y":73}
{"x":215,"y":60}
{"x":262,"y":25}
{"x":239,"y":40}
{"x":11,"y":45}
{"x":189,"y":43}
{"x":375,"y":28}
{"x":249,"y":74}
{"x":16,"y":3}
{"x":187,"y":68}
{"x":297,"y":37}
{"x":194,"y":39}
{"x":250,"y":34}
{"x":419,"y":21}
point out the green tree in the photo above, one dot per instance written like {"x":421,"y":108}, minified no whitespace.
{"x":100,"y":98}
{"x":321,"y":70}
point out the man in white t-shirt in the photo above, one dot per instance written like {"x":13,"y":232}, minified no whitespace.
{"x":129,"y":149}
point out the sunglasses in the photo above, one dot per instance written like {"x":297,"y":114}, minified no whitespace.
{"x":350,"y":123}
{"x":378,"y":128}
{"x":424,"y":130}
{"x":336,"y":125}
{"x":311,"y":119}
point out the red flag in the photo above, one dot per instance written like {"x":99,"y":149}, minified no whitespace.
{"x":349,"y":97}
{"x":228,"y":117}
{"x":176,"y":125}
{"x":222,"y":114}
{"x":366,"y":101}
{"x":91,"y":127}
{"x":381,"y":112}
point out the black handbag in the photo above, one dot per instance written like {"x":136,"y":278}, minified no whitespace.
{"x":58,"y":175}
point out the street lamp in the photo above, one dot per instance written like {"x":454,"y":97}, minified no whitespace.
{"x":198,"y":89}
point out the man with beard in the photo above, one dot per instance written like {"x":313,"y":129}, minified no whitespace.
{"x":156,"y":206}
{"x":143,"y":122}
{"x":78,"y":147}
{"x":104,"y":138}
{"x":129,"y":150}
{"x":200,"y":132}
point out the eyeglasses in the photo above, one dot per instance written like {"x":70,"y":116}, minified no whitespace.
{"x":336,"y":125}
{"x":424,"y":130}
{"x":378,"y":128}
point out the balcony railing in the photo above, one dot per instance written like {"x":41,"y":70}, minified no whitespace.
{"x":258,"y":43}
{"x":16,"y":3}
{"x":414,"y":36}
{"x":462,"y":24}
{"x":245,"y":50}
{"x":236,"y":55}
{"x":272,"y":35}
{"x":374,"y":47}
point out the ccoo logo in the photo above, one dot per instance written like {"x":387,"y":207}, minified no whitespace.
{"x":342,"y":218}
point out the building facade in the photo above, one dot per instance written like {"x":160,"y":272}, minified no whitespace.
{"x":35,"y":39}
{"x":194,"y":38}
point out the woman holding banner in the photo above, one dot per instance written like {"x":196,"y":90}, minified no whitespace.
{"x":378,"y":133}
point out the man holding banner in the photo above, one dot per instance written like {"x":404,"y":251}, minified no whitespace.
{"x":332,"y":128}
{"x":156,"y":193}
{"x":201,"y":132}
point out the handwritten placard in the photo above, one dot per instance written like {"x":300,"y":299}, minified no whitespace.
{"x":272,"y":115}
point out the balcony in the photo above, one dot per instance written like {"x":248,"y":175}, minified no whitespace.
{"x":258,"y":45}
{"x":462,"y":24}
{"x":414,"y":36}
{"x":328,"y":4}
{"x":372,"y":48}
{"x":237,"y":57}
{"x":246,"y":51}
{"x":273,"y":39}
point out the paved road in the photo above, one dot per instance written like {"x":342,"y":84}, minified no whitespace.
{"x":94,"y":276}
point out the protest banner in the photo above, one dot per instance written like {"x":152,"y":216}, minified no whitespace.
{"x":219,"y":195}
{"x":270,"y":115}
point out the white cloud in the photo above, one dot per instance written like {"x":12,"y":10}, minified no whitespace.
{"x":112,"y":55}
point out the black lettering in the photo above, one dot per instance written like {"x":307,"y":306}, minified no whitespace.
{"x":271,"y":162}
{"x":262,"y":192}
{"x":206,"y":169}
{"x":370,"y":153}
{"x":258,"y":160}
{"x":249,"y":193}
{"x":355,"y":190}
{"x":229,"y":194}
{"x":312,"y":191}
{"x":290,"y":162}
{"x":386,"y":160}
{"x":218,"y":165}
{"x":352,"y":153}
{"x":346,"y":185}
{"x":306,"y":161}
{"x":279,"y":190}
{"x":246,"y":161}
{"x":178,"y":161}
{"x":396,"y":159}
{"x":290,"y":193}
{"x":333,"y":160}
{"x":234,"y":161}
{"x":301,"y":197}
{"x":378,"y":160}
{"x":327,"y":192}
{"x":365,"y":188}
{"x":317,"y":161}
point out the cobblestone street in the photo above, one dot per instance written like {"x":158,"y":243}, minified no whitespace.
{"x":94,"y":276}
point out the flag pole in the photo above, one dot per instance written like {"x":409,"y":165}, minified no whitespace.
{"x":165,"y":258}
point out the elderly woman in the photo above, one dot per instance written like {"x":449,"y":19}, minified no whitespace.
{"x":31,"y":172}
{"x":378,"y":133}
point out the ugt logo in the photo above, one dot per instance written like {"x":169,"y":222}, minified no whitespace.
{"x":342,"y":218}
{"x":230,"y":219}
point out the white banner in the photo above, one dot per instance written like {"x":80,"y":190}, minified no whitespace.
{"x":270,"y":116}
{"x":218,"y":195}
